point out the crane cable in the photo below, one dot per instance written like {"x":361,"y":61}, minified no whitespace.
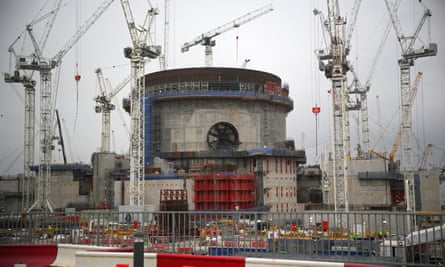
{"x":77,"y":55}
{"x":315,"y":83}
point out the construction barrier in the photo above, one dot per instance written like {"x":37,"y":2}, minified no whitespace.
{"x":49,"y":254}
{"x":258,"y":262}
{"x":90,"y":256}
{"x":180,"y":260}
{"x":66,"y":253}
{"x":89,"y":259}
{"x":27,"y":254}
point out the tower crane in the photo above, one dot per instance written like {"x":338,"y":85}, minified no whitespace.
{"x":333,"y":62}
{"x":29,"y":84}
{"x":206,"y":38}
{"x":136,"y":54}
{"x":408,"y":57}
{"x":105,"y":106}
{"x":410,"y":102}
{"x":44,"y":65}
{"x":398,"y":137}
{"x":362,"y":90}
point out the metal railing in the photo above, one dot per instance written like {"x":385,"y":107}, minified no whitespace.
{"x":392,"y":238}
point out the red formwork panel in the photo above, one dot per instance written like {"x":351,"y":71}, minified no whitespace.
{"x":220,"y":191}
{"x":180,"y":260}
{"x":29,"y":254}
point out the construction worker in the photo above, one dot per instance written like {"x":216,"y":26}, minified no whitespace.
{"x":380,"y":233}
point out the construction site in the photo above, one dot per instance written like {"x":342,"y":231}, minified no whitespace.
{"x":219,"y":134}
{"x":206,"y":139}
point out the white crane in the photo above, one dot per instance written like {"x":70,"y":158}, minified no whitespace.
{"x":105,"y":106}
{"x":398,"y":136}
{"x":29,"y":129}
{"x":206,"y":38}
{"x":44,"y":65}
{"x":29,"y":84}
{"x":136,"y":54}
{"x":332,"y":60}
{"x":362,"y":90}
{"x":408,"y":57}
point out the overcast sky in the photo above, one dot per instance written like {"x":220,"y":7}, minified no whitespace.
{"x":281,"y":42}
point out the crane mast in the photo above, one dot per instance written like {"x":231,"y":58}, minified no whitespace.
{"x":408,"y":57}
{"x":332,"y":60}
{"x":136,"y":54}
{"x":163,"y":59}
{"x":105,"y":106}
{"x":29,"y":115}
{"x":363,"y":90}
{"x":206,"y":38}
{"x":367,"y":86}
{"x":36,"y":62}
{"x":410,"y":101}
{"x":29,"y":130}
{"x":334,"y":34}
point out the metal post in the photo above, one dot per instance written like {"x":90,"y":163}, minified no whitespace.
{"x":138,"y":251}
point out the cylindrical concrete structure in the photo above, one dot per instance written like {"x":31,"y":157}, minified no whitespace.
{"x":214,"y":109}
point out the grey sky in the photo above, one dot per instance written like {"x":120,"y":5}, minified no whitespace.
{"x":281,"y":42}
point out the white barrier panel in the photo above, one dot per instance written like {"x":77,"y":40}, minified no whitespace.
{"x":66,"y":254}
{"x":259,"y":262}
{"x":110,"y":259}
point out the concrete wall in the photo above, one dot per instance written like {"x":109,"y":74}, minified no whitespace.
{"x":184,"y":124}
{"x":10,"y":194}
{"x":11,"y":185}
{"x":430,"y":190}
{"x":103,"y":165}
{"x":280,"y":184}
{"x":152,"y":190}
{"x":363,"y":192}
{"x":65,"y":191}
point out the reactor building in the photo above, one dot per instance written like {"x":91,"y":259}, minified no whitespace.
{"x":215,"y":138}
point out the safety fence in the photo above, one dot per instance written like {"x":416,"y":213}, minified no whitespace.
{"x":390,"y":238}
